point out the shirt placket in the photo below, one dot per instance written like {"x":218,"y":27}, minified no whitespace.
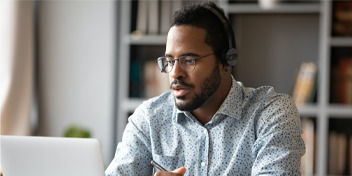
{"x":204,"y":154}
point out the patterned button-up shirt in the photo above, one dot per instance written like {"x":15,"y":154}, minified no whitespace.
{"x":254,"y":132}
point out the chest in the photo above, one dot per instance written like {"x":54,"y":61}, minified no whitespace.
{"x":223,"y":148}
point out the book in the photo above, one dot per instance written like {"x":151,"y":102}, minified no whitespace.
{"x":155,"y":82}
{"x":349,"y":85}
{"x":345,"y":80}
{"x":350,"y":156}
{"x":341,"y":153}
{"x":153,"y":17}
{"x":334,"y":83}
{"x":142,"y":17}
{"x":342,"y":18}
{"x":307,"y":160}
{"x":337,"y":153}
{"x":135,"y":79}
{"x":304,"y":88}
{"x":166,"y":11}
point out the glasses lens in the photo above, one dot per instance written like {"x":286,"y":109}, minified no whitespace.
{"x":165,"y":64}
{"x":187,"y":63}
{"x":162,"y":63}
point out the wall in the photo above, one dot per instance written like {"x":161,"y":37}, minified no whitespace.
{"x":269,"y":44}
{"x":76,"y":68}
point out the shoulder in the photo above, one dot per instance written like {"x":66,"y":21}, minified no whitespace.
{"x":151,"y":110}
{"x":268,"y":105}
{"x":265,"y":95}
{"x":165,"y":100}
{"x":274,"y":110}
{"x":155,"y":107}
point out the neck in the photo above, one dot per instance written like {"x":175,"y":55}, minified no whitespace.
{"x":206,"y":112}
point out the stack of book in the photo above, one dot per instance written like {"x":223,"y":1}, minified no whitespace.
{"x":154,"y":16}
{"x":341,"y":82}
{"x":305,"y":86}
{"x":340,"y":154}
{"x":154,"y":82}
{"x":309,"y":138}
{"x":342,"y":24}
{"x":345,"y":80}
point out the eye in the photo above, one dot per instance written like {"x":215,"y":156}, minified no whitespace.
{"x":189,"y":60}
{"x":169,"y":61}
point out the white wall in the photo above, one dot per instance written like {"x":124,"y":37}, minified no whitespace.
{"x":76,"y":68}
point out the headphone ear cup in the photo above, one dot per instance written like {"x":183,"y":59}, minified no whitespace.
{"x":231,"y":57}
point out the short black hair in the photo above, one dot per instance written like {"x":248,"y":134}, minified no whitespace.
{"x":198,"y":15}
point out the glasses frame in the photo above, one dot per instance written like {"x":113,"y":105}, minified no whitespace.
{"x":163,"y":70}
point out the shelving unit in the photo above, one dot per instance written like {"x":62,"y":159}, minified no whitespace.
{"x":341,"y":41}
{"x":280,"y":8}
{"x":311,"y":41}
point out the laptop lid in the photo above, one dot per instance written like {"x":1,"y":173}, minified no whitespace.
{"x":54,"y":156}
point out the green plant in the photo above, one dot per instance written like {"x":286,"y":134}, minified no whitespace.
{"x":76,"y":131}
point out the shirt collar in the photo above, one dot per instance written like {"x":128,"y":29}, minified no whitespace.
{"x":233,"y":102}
{"x":230,"y":107}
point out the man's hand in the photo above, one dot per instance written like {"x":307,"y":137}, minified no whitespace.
{"x":178,"y":172}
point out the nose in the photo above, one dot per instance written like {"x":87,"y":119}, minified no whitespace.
{"x":177,"y":71}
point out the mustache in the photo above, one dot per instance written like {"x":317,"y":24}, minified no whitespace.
{"x":181,"y":82}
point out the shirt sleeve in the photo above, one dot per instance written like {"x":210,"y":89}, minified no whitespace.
{"x":133,"y":154}
{"x":279,"y":145}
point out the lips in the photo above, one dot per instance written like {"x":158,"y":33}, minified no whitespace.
{"x":180,"y":90}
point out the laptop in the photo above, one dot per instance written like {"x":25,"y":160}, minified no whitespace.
{"x":54,"y":156}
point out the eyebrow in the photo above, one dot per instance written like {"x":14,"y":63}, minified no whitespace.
{"x":185,"y":54}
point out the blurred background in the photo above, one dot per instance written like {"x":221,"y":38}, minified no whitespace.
{"x":58,"y":68}
{"x":79,"y":68}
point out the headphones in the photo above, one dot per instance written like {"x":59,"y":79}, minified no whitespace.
{"x":229,"y":55}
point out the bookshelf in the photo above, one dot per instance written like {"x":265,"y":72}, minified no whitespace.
{"x":290,"y":34}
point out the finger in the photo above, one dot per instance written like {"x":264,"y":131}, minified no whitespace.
{"x":178,"y":172}
{"x":181,"y":170}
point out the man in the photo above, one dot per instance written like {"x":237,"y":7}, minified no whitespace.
{"x":209,"y":124}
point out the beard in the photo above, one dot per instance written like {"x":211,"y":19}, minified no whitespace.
{"x":208,"y":87}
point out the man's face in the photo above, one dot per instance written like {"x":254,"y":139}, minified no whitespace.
{"x":192,"y":89}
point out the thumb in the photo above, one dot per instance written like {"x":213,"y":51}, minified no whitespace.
{"x":181,"y":170}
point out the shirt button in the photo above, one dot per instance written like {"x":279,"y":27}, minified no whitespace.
{"x":205,"y":131}
{"x":203,"y":163}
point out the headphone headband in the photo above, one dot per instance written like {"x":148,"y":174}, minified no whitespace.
{"x":223,"y":20}
{"x":230,"y":55}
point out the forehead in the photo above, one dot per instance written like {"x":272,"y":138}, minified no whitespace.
{"x":186,"y":38}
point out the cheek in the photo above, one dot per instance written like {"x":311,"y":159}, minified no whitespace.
{"x":170,"y":79}
{"x":197,"y":79}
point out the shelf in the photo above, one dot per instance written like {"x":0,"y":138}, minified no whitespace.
{"x":145,"y":39}
{"x":308,"y":110}
{"x":341,"y":41}
{"x":340,"y":111}
{"x":280,"y":8}
{"x":334,"y":110}
{"x":308,"y":23}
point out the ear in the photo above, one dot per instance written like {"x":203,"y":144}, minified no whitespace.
{"x":226,"y":68}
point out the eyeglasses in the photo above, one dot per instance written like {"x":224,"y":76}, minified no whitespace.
{"x":187,"y":63}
